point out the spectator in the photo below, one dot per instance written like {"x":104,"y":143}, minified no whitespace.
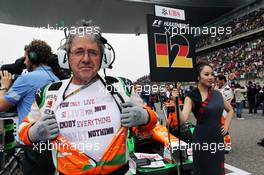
{"x":251,"y":93}
{"x":239,"y":96}
{"x":240,"y":61}
{"x":262,"y":99}
{"x":257,"y":98}
{"x":240,"y":25}
{"x":152,"y":101}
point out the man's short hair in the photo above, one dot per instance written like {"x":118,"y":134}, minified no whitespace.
{"x":81,"y":30}
{"x":222,"y":77}
{"x":42,"y":50}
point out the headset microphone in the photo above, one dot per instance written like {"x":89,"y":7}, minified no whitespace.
{"x":103,"y":40}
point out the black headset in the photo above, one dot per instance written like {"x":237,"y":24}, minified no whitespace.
{"x":33,"y":57}
{"x":107,"y":57}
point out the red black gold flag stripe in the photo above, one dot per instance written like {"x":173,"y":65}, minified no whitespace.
{"x":161,"y":46}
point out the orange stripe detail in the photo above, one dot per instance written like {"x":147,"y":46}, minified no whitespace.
{"x":23,"y":134}
{"x":152,"y":120}
{"x":117,"y":146}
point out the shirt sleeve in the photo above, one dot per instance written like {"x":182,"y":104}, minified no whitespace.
{"x":18,"y":90}
{"x":31,"y":118}
{"x":153,"y":119}
{"x":228,"y":95}
{"x":196,"y":100}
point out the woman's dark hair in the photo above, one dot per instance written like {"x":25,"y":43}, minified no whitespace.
{"x":200,"y":65}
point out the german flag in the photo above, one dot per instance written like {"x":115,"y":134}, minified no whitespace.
{"x":181,"y":60}
{"x":161,"y":46}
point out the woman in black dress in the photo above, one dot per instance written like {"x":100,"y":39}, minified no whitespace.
{"x":207,"y":106}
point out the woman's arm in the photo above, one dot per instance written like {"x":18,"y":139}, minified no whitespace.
{"x":187,"y":107}
{"x":230,"y":113}
{"x":186,"y":111}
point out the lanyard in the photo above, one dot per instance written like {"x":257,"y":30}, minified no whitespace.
{"x":81,"y":88}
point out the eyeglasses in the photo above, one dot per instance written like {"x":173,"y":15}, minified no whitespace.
{"x":80,"y":53}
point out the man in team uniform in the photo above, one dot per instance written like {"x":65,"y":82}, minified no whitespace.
{"x":228,"y":95}
{"x":80,"y":113}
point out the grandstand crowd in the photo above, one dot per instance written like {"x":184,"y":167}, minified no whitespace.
{"x":241,"y":61}
{"x":239,"y":25}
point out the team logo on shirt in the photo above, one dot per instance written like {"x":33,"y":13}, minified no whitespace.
{"x":49,"y":103}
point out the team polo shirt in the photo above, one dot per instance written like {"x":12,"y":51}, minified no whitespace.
{"x":22,"y":92}
{"x":89,"y":119}
{"x":227,"y":94}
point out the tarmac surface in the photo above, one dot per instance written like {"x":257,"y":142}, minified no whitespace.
{"x":246,"y":155}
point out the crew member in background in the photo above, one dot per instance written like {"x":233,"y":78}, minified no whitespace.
{"x":228,"y":95}
{"x":38,"y":55}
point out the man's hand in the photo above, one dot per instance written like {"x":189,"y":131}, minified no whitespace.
{"x":44,"y":129}
{"x":133,"y":115}
{"x":6,"y":79}
{"x":224,"y":129}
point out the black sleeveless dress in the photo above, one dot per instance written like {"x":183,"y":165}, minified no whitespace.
{"x":208,"y":143}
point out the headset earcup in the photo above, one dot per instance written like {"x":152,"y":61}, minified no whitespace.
{"x":63,"y":59}
{"x":106,"y":58}
{"x":33,"y":57}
